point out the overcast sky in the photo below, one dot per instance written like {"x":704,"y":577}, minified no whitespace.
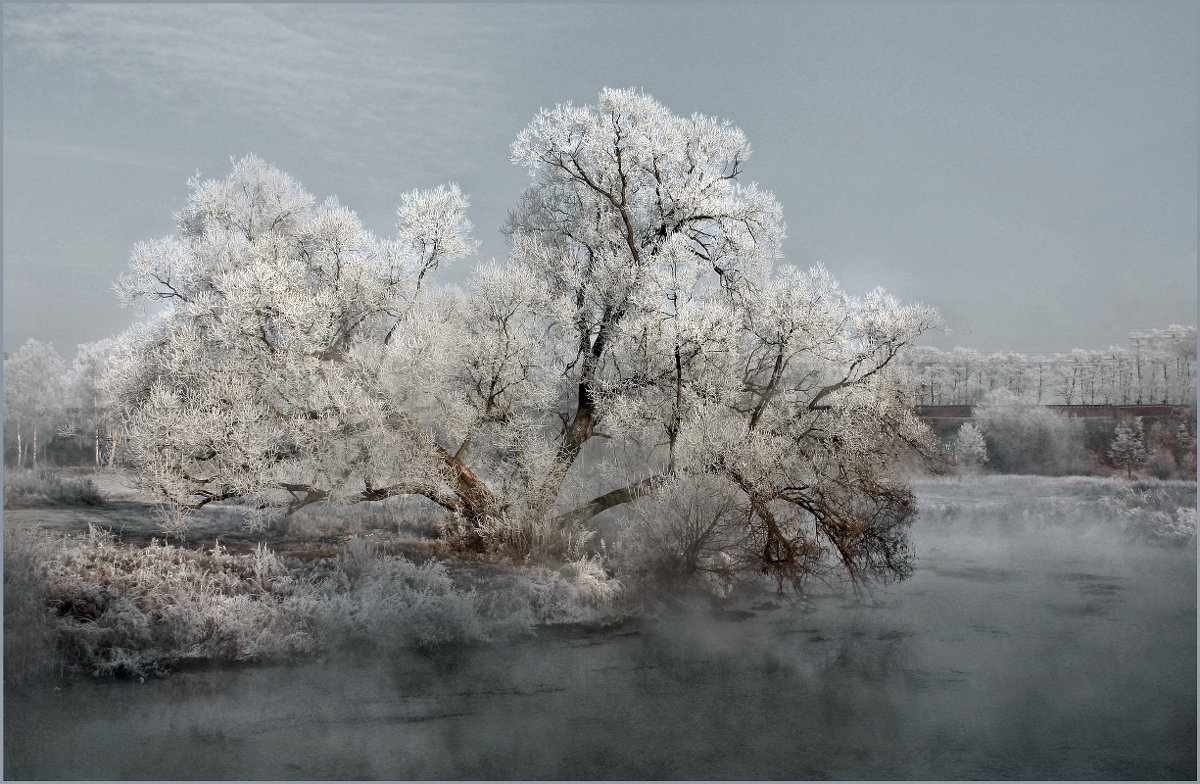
{"x":1029,"y":169}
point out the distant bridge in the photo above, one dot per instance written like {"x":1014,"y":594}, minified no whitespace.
{"x":1087,"y":412}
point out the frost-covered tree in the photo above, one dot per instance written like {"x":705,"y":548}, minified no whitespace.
{"x":970,"y":449}
{"x":1009,"y":371}
{"x":1159,"y":367}
{"x":637,"y":335}
{"x":1070,"y":370}
{"x":1116,"y":374}
{"x":1128,"y":449}
{"x":964,"y":365}
{"x":674,"y":336}
{"x":1177,"y":359}
{"x":928,"y":368}
{"x":268,"y":370}
{"x":33,"y":396}
{"x":90,"y":397}
{"x":1183,"y":446}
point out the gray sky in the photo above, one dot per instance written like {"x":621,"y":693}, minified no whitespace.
{"x":1029,"y":169}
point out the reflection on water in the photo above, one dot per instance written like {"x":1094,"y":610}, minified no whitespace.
{"x":1004,"y":657}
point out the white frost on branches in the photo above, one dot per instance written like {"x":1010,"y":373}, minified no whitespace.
{"x":637,"y":335}
{"x":970,"y":448}
{"x":1128,"y":449}
{"x":34,"y":396}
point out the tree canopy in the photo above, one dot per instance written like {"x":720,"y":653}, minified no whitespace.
{"x":640,"y":334}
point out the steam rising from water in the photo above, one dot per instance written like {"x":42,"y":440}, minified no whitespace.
{"x":1024,"y":647}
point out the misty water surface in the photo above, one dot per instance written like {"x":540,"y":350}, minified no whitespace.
{"x":1031,"y":653}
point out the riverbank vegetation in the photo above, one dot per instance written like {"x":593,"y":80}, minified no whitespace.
{"x":105,"y":604}
{"x":117,"y":601}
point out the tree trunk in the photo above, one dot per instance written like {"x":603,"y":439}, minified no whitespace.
{"x":1137,"y":359}
{"x":476,"y":496}
{"x":610,"y":499}
{"x":576,"y":435}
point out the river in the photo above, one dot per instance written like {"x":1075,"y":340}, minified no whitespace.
{"x":1040,"y":653}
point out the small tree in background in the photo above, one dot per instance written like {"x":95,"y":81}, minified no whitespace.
{"x":33,"y":396}
{"x":1184,"y":447}
{"x":94,"y":412}
{"x":970,"y":449}
{"x":1128,"y":450}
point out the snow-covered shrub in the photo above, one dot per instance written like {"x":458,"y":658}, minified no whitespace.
{"x":1151,"y":510}
{"x":1023,"y":438}
{"x":363,"y":598}
{"x":581,"y":591}
{"x":686,"y":533}
{"x":94,"y":605}
{"x":31,"y":488}
{"x":128,"y":611}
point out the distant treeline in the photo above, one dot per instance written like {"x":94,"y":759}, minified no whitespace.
{"x":1157,"y":367}
{"x":62,"y":414}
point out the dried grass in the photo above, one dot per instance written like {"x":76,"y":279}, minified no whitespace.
{"x":95,"y":605}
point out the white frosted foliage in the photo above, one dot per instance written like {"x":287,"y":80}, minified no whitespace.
{"x":638,"y":334}
{"x":970,"y":448}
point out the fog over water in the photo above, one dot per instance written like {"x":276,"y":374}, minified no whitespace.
{"x":1020,"y":649}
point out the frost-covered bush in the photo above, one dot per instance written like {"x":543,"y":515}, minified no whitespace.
{"x":123,"y":610}
{"x":689,"y":533}
{"x":94,"y":605}
{"x":1152,"y":510}
{"x":1023,"y":438}
{"x":581,"y":591}
{"x":362,"y":598}
{"x":30,"y":488}
{"x":1161,"y":469}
